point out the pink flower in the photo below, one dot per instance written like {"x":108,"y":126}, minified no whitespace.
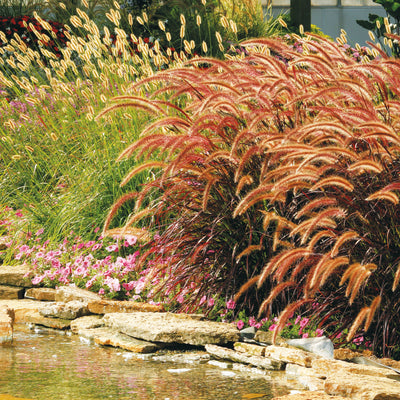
{"x":112,"y":247}
{"x":358,"y":340}
{"x":272,"y":327}
{"x":230,"y":305}
{"x":240,"y":324}
{"x":180,"y":299}
{"x":101,"y":291}
{"x":39,"y":232}
{"x":319,"y":332}
{"x":210,"y":302}
{"x":130,"y":240}
{"x":297,"y":320}
{"x":97,"y":246}
{"x":305,"y":335}
{"x":96,"y":229}
{"x":203,"y":300}
{"x":252,"y":321}
{"x":304,"y":322}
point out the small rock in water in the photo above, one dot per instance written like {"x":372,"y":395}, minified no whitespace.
{"x":178,"y":370}
{"x":321,"y":346}
{"x":228,"y":373}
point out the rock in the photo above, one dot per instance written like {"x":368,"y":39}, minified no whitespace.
{"x":266,"y":337}
{"x":299,"y":370}
{"x":11,"y":292}
{"x":15,"y":275}
{"x":21,"y":308}
{"x":171,"y":328}
{"x":362,"y":387}
{"x":108,"y":337}
{"x":290,"y":355}
{"x":250,"y":349}
{"x":70,"y":310}
{"x":310,"y":395}
{"x":6,"y":325}
{"x":257,"y":361}
{"x":183,"y":358}
{"x":43,"y":294}
{"x":344,"y":354}
{"x":248,"y":333}
{"x":69,"y":293}
{"x":109,"y":306}
{"x":333,"y":367}
{"x":87,"y":322}
{"x":34,"y":317}
{"x":321,"y":346}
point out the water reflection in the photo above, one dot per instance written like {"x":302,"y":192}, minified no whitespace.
{"x":51,"y":366}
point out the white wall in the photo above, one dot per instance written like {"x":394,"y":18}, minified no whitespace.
{"x":333,"y":15}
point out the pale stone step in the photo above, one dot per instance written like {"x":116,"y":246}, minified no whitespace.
{"x":34,"y":317}
{"x":15,"y":275}
{"x":11,"y":292}
{"x":171,"y":328}
{"x":70,"y":310}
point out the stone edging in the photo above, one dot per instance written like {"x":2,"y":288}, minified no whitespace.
{"x":145,"y":328}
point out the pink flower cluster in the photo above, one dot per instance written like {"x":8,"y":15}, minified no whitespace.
{"x":107,"y":266}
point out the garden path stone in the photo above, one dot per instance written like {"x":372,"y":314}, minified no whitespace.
{"x":250,"y":349}
{"x":171,"y":328}
{"x":70,"y":310}
{"x":224,"y":353}
{"x":110,"y":306}
{"x":11,"y":292}
{"x":69,"y":293}
{"x":42,"y":294}
{"x":266,"y":337}
{"x":15,"y":275}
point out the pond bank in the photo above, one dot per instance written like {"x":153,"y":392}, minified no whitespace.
{"x":145,"y":329}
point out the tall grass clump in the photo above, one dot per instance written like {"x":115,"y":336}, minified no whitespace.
{"x":277,"y":181}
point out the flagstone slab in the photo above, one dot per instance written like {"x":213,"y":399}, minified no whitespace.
{"x":362,"y":387}
{"x":14,"y":275}
{"x":42,"y":294}
{"x":170,"y":328}
{"x":310,"y":395}
{"x":224,"y":353}
{"x":70,"y":310}
{"x":108,"y":337}
{"x":22,"y":307}
{"x":70,"y":293}
{"x":86,"y":322}
{"x":34,"y":317}
{"x":290,"y":355}
{"x":11,"y":292}
{"x":112,"y":306}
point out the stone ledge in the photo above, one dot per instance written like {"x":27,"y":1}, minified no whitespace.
{"x":258,"y":361}
{"x":110,"y":306}
{"x":310,"y":395}
{"x":42,"y":294}
{"x":11,"y":292}
{"x":15,"y":275}
{"x":290,"y":355}
{"x":362,"y":387}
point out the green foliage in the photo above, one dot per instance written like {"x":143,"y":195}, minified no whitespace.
{"x":17,"y":8}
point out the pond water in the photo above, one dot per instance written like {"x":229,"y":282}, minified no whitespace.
{"x":47,"y":366}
